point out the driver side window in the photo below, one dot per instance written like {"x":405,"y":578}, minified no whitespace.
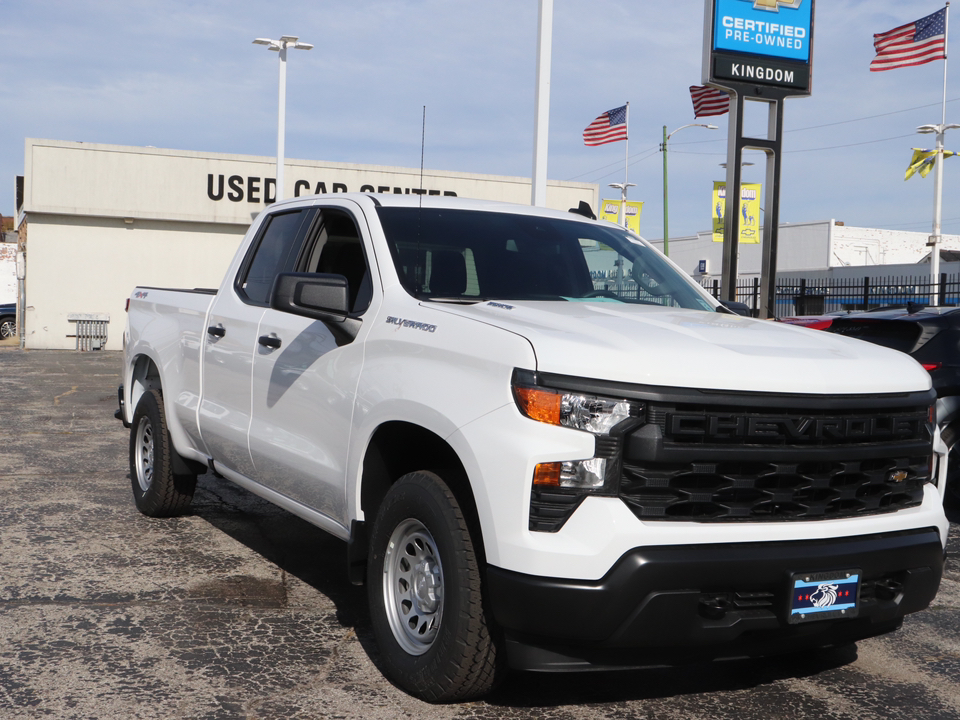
{"x":338,"y":249}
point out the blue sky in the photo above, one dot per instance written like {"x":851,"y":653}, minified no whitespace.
{"x":184,"y":74}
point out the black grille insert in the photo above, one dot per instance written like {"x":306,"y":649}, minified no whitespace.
{"x":720,"y":462}
{"x":772,"y":491}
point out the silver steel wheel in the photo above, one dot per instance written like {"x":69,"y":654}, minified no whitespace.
{"x":144,"y":453}
{"x":8,"y":328}
{"x":413,"y":587}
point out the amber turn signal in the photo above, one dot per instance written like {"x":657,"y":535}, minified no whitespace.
{"x":547,"y":474}
{"x":540,"y":405}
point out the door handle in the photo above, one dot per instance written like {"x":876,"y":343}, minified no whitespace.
{"x":217,"y":330}
{"x":270,"y":341}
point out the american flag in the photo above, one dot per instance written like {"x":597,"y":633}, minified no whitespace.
{"x":915,"y":43}
{"x":609,"y":127}
{"x":708,"y":101}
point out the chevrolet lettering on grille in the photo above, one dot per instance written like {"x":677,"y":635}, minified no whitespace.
{"x":719,"y":427}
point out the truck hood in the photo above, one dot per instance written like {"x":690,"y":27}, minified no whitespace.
{"x":670,"y":347}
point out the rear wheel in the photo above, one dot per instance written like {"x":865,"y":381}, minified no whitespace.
{"x":157,"y":491}
{"x":8,"y":327}
{"x":425,"y":594}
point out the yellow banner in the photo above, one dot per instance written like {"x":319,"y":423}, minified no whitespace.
{"x":749,"y":211}
{"x":922,"y":162}
{"x":610,"y":211}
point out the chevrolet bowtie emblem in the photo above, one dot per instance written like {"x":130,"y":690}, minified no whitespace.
{"x":774,"y":5}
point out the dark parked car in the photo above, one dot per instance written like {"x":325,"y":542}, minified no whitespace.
{"x":8,"y":320}
{"x":931,"y":335}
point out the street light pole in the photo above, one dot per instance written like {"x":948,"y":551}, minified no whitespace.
{"x":281,"y":45}
{"x":666,"y":211}
{"x":622,"y":187}
{"x":934,"y":243}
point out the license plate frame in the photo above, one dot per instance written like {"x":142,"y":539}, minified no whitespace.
{"x":826,"y":595}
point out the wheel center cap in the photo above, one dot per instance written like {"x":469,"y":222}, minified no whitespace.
{"x":426,"y":585}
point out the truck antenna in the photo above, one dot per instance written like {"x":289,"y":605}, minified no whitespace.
{"x":421,"y":273}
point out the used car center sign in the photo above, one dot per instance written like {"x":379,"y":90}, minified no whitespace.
{"x":762,"y":42}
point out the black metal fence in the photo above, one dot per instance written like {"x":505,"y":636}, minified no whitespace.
{"x":816,"y":296}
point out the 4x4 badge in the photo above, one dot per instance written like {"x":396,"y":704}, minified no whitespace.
{"x":774,"y":5}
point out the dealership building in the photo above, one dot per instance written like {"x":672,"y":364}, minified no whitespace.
{"x":94,"y":221}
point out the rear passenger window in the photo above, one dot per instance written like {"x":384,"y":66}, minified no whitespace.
{"x":276,"y":252}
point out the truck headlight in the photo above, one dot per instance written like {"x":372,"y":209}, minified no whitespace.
{"x":574,"y":410}
{"x":579,"y":411}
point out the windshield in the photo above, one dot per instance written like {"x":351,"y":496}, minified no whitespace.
{"x":473,"y":256}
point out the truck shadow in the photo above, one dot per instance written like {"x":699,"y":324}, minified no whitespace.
{"x":295,"y":546}
{"x":536,"y":690}
{"x":319,"y":560}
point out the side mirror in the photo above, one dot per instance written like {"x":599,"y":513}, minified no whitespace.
{"x":319,"y":297}
{"x":737,"y":308}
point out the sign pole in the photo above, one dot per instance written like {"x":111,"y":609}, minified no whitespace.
{"x":762,"y":52}
{"x":541,"y":122}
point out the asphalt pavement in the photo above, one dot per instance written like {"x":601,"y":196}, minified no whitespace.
{"x":241,"y":610}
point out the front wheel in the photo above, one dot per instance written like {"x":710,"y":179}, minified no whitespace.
{"x":8,"y":327}
{"x":425,"y":595}
{"x":157,"y":491}
{"x":952,"y":490}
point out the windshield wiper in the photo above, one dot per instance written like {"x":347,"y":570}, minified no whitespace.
{"x":455,"y":299}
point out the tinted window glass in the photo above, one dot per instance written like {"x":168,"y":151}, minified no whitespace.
{"x":337,"y":249}
{"x":276,"y":253}
{"x":471,"y":256}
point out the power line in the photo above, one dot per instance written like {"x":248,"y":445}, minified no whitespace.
{"x":839,"y":122}
{"x":810,"y":127}
{"x":871,"y":117}
{"x":651,"y":150}
{"x":650,"y":154}
{"x":918,"y":222}
{"x":831,"y":147}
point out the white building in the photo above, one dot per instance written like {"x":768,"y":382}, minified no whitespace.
{"x":816,"y":246}
{"x":97,"y":220}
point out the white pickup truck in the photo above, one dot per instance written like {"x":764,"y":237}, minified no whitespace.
{"x":545,"y":446}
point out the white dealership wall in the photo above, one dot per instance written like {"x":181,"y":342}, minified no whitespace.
{"x":810,"y":246}
{"x":102,"y":219}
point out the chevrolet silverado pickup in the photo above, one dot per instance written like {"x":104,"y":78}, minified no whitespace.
{"x":544,"y":446}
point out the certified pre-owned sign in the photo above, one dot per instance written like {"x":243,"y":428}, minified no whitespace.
{"x":766,"y":42}
{"x":772,"y":28}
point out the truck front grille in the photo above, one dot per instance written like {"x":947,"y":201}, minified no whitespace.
{"x":746,"y":463}
{"x":704,"y":491}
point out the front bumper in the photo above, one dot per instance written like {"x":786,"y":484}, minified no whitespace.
{"x":672,"y":604}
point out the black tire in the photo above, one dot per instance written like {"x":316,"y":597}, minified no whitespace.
{"x":8,"y":327}
{"x":157,"y":491}
{"x":952,"y":490}
{"x":425,"y":595}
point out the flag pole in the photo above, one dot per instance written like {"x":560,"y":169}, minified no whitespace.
{"x":938,"y":177}
{"x":946,"y":49}
{"x":626,"y":170}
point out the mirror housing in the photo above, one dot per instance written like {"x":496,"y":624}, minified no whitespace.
{"x":736,"y":308}
{"x":317,"y":296}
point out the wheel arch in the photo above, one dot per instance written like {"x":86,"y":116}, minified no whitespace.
{"x":395,"y":449}
{"x":144,"y":377}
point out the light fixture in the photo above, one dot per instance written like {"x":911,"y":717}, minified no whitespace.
{"x":666,"y":212}
{"x":281,"y":46}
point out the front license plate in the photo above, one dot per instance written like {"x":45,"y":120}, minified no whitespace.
{"x":824,"y":596}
